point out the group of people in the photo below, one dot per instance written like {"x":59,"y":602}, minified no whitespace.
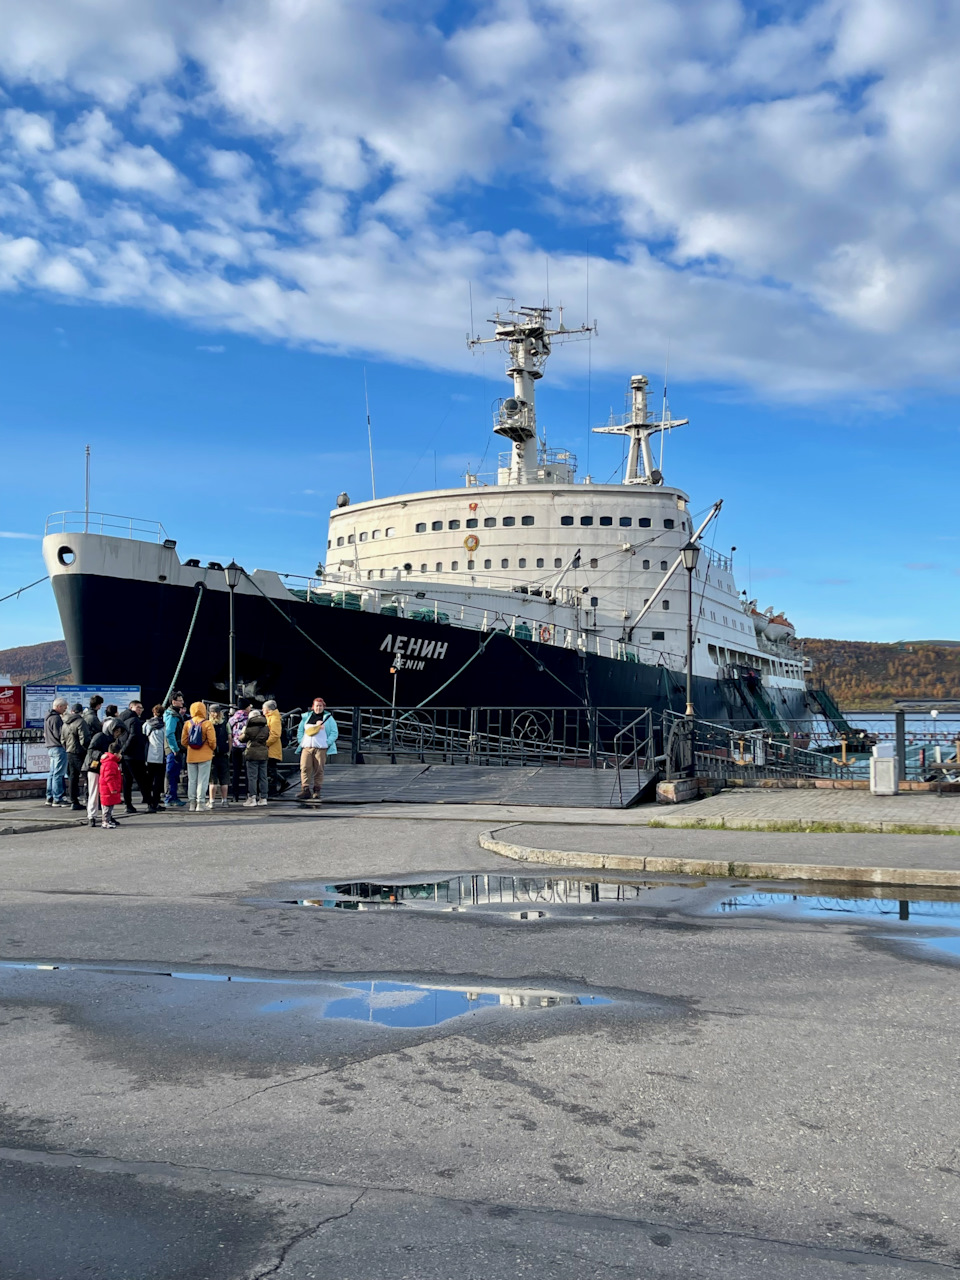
{"x":216,"y":751}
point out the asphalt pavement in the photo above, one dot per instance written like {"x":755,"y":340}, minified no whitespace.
{"x":733,"y":1095}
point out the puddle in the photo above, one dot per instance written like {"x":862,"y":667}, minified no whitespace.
{"x":804,"y":906}
{"x":508,"y":897}
{"x":382,"y":1002}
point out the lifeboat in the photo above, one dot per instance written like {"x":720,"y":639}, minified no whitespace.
{"x":760,"y":620}
{"x":778,"y":627}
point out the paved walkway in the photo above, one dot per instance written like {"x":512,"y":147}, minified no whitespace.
{"x":748,"y":807}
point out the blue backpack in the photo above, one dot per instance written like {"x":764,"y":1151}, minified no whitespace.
{"x":195,"y":738}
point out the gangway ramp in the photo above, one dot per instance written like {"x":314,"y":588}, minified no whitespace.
{"x":549,"y":786}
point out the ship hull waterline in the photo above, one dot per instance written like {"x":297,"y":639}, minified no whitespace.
{"x":129,"y":631}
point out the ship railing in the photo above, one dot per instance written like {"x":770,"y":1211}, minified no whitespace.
{"x":563,"y":737}
{"x":718,"y":560}
{"x":634,"y":751}
{"x":423,"y":607}
{"x":711,"y":750}
{"x":103,"y":522}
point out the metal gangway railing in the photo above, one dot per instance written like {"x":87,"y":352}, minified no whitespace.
{"x":706,"y":749}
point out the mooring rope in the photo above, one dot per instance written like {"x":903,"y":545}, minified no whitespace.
{"x":201,"y":587}
{"x":20,"y":590}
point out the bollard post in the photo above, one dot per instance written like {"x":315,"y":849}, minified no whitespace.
{"x":900,"y":728}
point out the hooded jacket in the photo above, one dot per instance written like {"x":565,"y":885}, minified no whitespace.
{"x":275,"y":746}
{"x":52,"y":727}
{"x":133,"y":744}
{"x":99,"y":744}
{"x":154,"y":738}
{"x":329,"y":725}
{"x":198,"y":716}
{"x":111,"y":779}
{"x":93,"y":724}
{"x":172,"y":725}
{"x":256,"y":734}
{"x":72,"y":733}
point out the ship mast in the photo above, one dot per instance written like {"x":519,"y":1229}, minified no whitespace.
{"x":528,"y":337}
{"x":636,"y":425}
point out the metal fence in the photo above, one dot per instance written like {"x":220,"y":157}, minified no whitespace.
{"x":15,"y":753}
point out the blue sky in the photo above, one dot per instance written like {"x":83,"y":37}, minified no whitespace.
{"x":214,"y":216}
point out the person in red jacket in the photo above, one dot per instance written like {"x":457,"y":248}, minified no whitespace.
{"x":111,"y":785}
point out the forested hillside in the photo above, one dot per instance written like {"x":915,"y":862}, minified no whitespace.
{"x":870,"y":677}
{"x":31,"y":663}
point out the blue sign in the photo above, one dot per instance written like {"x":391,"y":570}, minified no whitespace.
{"x":38,"y":698}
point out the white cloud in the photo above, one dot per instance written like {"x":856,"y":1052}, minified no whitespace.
{"x":31,"y":536}
{"x":784,"y":193}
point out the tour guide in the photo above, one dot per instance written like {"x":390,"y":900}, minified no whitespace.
{"x":317,"y":739}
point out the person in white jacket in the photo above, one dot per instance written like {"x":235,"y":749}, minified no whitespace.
{"x":153,"y":731}
{"x":317,"y":740}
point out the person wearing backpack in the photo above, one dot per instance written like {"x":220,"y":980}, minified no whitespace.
{"x":200,"y":742}
{"x":220,"y":764}
{"x":236,"y":724}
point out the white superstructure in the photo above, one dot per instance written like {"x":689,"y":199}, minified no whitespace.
{"x":590,"y":566}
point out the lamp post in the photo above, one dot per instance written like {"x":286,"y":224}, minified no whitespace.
{"x":690,"y":555}
{"x":232,"y":574}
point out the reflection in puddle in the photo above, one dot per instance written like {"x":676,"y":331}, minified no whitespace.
{"x":818,"y":907}
{"x":934,"y":946}
{"x":459,"y":893}
{"x":379,"y":1001}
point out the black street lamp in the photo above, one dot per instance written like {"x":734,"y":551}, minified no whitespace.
{"x":690,"y":555}
{"x":232,"y":574}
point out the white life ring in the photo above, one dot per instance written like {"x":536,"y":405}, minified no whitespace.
{"x":546,"y":634}
{"x":471,"y":542}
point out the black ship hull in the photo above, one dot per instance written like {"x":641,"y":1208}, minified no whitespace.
{"x":127,"y":631}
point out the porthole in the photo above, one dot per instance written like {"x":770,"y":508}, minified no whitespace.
{"x":351,"y":539}
{"x":663,"y":565}
{"x":391,"y":532}
{"x":489,"y":522}
{"x":540,"y":562}
{"x":423,"y":568}
{"x":364,"y":536}
{"x":472,"y":524}
{"x":376,"y":534}
{"x":509,"y":521}
{"x":626,"y":522}
{"x":665,"y":605}
{"x":339,"y":542}
{"x":453,"y":524}
{"x":566,"y":519}
{"x":646,"y":564}
{"x":488,"y":564}
{"x":504,"y":564}
{"x":558,"y":563}
{"x":66,"y":555}
{"x":644,"y":522}
{"x":594,"y":564}
{"x":436,"y":525}
{"x":606,"y":520}
{"x":594,"y":601}
{"x":438,"y":567}
{"x":668,"y":524}
{"x":528,"y":520}
{"x":586,"y":520}
{"x":521,"y":564}
{"x":454,"y":565}
{"x":471,"y":564}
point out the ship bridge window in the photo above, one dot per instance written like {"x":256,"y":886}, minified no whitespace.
{"x":605,"y":520}
{"x":586,"y":520}
{"x":665,"y":605}
{"x":528,"y":520}
{"x":471,"y":564}
{"x":558,"y":563}
{"x":375,"y":535}
{"x":436,"y":525}
{"x":391,"y":532}
{"x":454,"y":565}
{"x":657,"y":635}
{"x":643,"y":522}
{"x":423,"y":568}
{"x":453,"y":524}
{"x":540,"y":562}
{"x":351,"y":539}
{"x":489,"y":522}
{"x":339,"y":542}
{"x":646,"y":564}
{"x":504,"y":564}
{"x":420,"y":528}
{"x":668,"y":524}
{"x":473,"y":524}
{"x":521,"y":564}
{"x":566,"y":519}
{"x":364,"y":536}
{"x":438,"y":567}
{"x":663,"y":565}
{"x":626,"y":522}
{"x":509,"y":521}
{"x":488,"y":564}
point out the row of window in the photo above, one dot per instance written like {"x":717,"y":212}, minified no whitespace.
{"x":490,"y":522}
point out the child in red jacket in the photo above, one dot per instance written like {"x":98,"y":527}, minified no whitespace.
{"x":111,"y":785}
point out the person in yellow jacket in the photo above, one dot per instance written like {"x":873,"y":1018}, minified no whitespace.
{"x":274,"y":747}
{"x":200,"y":740}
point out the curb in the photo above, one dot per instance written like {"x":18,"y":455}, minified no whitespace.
{"x":816,"y":825}
{"x":916,"y":877}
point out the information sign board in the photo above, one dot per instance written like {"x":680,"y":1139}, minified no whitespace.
{"x":36,"y":759}
{"x":119,"y":694}
{"x":11,"y":706}
{"x":36,"y":703}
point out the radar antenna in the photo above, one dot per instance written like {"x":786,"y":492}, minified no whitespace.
{"x":529,"y":336}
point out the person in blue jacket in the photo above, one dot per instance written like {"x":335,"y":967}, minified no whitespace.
{"x":317,"y":739}
{"x":172,"y":726}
